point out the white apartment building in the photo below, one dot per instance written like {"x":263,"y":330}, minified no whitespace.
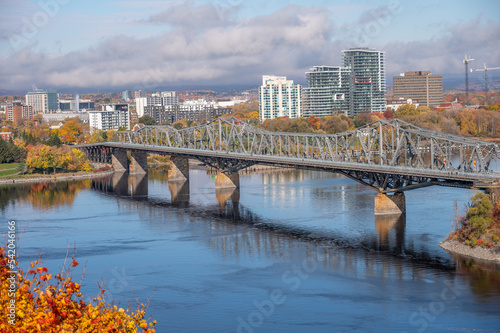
{"x":165,"y":98}
{"x":112,"y":116}
{"x":279,"y":97}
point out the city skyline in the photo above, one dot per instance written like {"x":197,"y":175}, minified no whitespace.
{"x":134,"y":45}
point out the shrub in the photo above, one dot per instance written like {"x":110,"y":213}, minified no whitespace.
{"x":495,"y":239}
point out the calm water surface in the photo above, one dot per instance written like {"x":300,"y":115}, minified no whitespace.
{"x":292,"y":251}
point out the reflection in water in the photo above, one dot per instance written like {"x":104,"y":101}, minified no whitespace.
{"x":391,"y":232}
{"x":483,"y":276}
{"x":43,"y":196}
{"x":179,"y":193}
{"x":224,"y":195}
{"x":123,"y":184}
{"x":234,"y":230}
{"x":211,"y":256}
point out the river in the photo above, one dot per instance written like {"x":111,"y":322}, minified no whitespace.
{"x":291,"y":251}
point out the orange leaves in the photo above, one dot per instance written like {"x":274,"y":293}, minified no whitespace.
{"x":56,"y":305}
{"x":42,"y":270}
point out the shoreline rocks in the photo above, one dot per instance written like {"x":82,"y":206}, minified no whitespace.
{"x":57,"y":178}
{"x":476,"y":252}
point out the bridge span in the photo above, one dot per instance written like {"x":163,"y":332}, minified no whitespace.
{"x":388,"y":156}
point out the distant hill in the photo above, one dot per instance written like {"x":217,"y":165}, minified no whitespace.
{"x":12,"y":93}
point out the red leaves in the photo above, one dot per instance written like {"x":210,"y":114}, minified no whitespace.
{"x":74,"y":263}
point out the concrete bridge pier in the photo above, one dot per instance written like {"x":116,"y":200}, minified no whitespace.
{"x":138,"y":162}
{"x":390,"y":204}
{"x":231,"y":180}
{"x":179,"y":169}
{"x":119,"y":160}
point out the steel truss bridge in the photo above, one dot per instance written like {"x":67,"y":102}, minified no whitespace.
{"x":387,"y":155}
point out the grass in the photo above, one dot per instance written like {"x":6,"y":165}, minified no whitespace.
{"x":7,"y":169}
{"x":5,"y":166}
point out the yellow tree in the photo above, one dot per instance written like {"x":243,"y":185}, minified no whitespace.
{"x":43,"y":157}
{"x":407,"y":110}
{"x":70,"y":131}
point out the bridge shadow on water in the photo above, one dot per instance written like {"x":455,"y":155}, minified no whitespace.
{"x":232,"y":229}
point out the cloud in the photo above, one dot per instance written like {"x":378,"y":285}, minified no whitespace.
{"x":229,"y":53}
{"x":444,"y":55}
{"x":197,"y":47}
{"x":194,"y":17}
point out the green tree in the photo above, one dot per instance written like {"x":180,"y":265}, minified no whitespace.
{"x":147,"y":120}
{"x":5,"y":152}
{"x":54,"y":141}
{"x":480,"y":213}
{"x":18,"y":153}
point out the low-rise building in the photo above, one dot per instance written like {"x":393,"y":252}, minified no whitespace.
{"x":5,"y":135}
{"x":394,"y":104}
{"x":200,"y":113}
{"x":61,"y":116}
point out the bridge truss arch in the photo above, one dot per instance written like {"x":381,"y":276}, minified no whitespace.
{"x":386,"y":155}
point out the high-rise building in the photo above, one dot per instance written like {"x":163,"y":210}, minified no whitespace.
{"x":327,"y":91}
{"x":112,"y":116}
{"x":17,"y":111}
{"x":421,"y":85}
{"x":125,"y":95}
{"x":43,"y":101}
{"x":367,"y":86}
{"x":279,"y":97}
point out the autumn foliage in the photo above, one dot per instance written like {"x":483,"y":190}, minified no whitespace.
{"x":480,"y":225}
{"x":47,"y":302}
{"x":46,"y":158}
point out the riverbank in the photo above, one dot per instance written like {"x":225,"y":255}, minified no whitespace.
{"x":476,"y":252}
{"x":56,"y":178}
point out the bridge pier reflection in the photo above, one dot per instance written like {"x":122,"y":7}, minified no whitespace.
{"x":391,"y":231}
{"x":179,"y":193}
{"x":124,"y":184}
{"x":224,"y":195}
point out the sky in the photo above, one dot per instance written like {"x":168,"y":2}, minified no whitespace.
{"x":114,"y":45}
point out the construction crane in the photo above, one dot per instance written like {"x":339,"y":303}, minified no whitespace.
{"x":485,"y":69}
{"x":466,"y":62}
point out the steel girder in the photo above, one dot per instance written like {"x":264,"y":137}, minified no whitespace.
{"x":392,"y":143}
